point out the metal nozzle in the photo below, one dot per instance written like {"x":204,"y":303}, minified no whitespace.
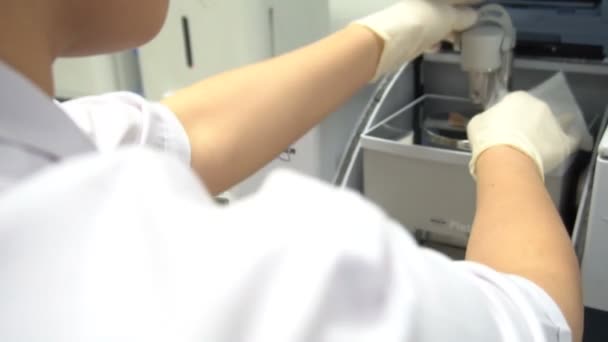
{"x":487,"y":88}
{"x":479,"y":86}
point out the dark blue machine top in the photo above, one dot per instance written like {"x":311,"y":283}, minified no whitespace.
{"x":564,"y":28}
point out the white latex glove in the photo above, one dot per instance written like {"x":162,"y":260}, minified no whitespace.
{"x":527,"y":124}
{"x":411,"y":27}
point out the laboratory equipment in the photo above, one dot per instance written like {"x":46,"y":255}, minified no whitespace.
{"x":446,"y":129}
{"x":595,"y":274}
{"x":487,"y":55}
{"x":424,"y":182}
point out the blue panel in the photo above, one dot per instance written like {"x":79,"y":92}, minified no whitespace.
{"x":561,"y":21}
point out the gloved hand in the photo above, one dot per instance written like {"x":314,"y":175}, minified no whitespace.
{"x":411,"y":27}
{"x":527,"y":124}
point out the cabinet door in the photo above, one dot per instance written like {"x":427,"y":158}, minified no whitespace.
{"x":202,"y":38}
{"x":75,"y":77}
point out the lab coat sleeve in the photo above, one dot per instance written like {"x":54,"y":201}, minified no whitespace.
{"x":119,"y":119}
{"x":353,"y":274}
{"x":533,"y":303}
{"x":96,"y":249}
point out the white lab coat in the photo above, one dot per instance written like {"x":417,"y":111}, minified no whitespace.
{"x":126,"y":245}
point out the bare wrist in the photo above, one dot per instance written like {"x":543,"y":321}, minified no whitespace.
{"x":373,"y":40}
{"x":506,"y":158}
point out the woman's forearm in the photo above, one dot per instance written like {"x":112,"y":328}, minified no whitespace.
{"x":240,"y":120}
{"x":517,"y":230}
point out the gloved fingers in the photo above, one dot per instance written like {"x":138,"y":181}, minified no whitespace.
{"x":463,"y":18}
{"x":451,"y":38}
{"x":434,"y":49}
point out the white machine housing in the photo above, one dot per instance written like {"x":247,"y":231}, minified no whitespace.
{"x":594,"y":246}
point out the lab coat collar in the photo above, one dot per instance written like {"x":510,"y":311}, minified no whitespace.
{"x":29,"y":119}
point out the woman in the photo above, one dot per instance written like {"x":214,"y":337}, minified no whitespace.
{"x":127,"y":245}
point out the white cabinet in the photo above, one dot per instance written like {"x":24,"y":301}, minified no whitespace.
{"x":75,"y":77}
{"x":203,"y":38}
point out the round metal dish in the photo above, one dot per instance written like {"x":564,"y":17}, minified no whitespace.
{"x":446,"y":130}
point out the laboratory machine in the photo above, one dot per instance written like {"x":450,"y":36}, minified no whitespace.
{"x":409,"y":153}
{"x":593,"y":228}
